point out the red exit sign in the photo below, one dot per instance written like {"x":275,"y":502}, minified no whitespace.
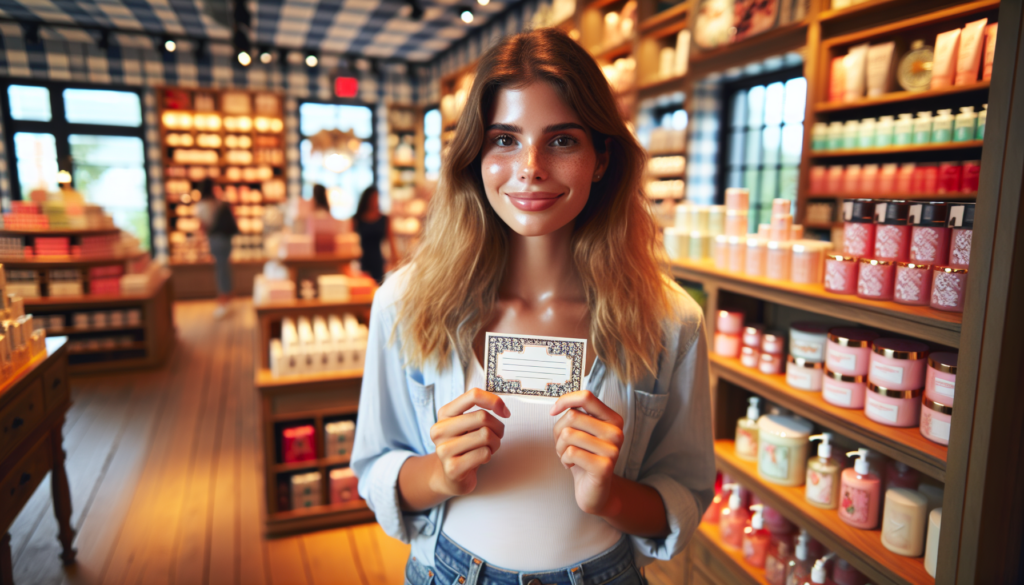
{"x":346,"y":87}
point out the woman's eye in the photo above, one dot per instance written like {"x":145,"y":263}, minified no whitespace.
{"x":504,"y":140}
{"x":564,"y":141}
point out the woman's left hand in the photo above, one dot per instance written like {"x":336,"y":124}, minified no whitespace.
{"x":588,"y":439}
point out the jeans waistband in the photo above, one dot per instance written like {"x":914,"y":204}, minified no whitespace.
{"x":473,"y":570}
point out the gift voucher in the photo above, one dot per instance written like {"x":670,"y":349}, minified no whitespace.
{"x":534,"y":365}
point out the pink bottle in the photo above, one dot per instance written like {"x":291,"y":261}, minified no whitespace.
{"x":901,"y":475}
{"x":913,"y":284}
{"x":929,"y":236}
{"x":733,"y":518}
{"x":859,"y":493}
{"x":961,"y":221}
{"x":892,"y":234}
{"x":841,"y":273}
{"x":949,"y":286}
{"x":858,"y":227}
{"x":876,"y":279}
{"x":756,"y":539}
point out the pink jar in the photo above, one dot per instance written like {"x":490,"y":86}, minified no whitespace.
{"x":935,"y":420}
{"x":913,"y":283}
{"x":752,"y":336}
{"x":868,"y":180}
{"x":887,"y":178}
{"x":841,"y":274}
{"x":971,"y":173}
{"x":749,"y":356}
{"x":770,"y":363}
{"x":756,"y":252}
{"x":898,"y":364}
{"x":895,"y":408}
{"x":807,"y":265}
{"x":781,"y":225}
{"x":949,"y":285}
{"x":737,"y":255}
{"x":875,"y":279}
{"x":819,"y":181}
{"x":729,"y":322}
{"x":848,"y":350}
{"x":851,"y":179}
{"x":905,"y":179}
{"x":737,"y":198}
{"x":804,"y":374}
{"x":892,"y":234}
{"x":834,"y":179}
{"x":778,"y":259}
{"x":940,"y":377}
{"x":858,"y":227}
{"x":720,"y":251}
{"x":844,"y":391}
{"x":736,"y":222}
{"x":772,"y":343}
{"x":727,"y":345}
{"x":929,"y":236}
{"x":961,"y":222}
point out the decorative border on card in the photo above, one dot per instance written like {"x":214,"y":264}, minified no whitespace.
{"x":574,"y":350}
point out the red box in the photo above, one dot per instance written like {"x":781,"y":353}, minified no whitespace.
{"x":343,"y":486}
{"x":297,"y":443}
{"x":105,"y":286}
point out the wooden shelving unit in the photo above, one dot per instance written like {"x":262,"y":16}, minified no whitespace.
{"x":901,"y":196}
{"x":896,"y":97}
{"x":61,"y":233}
{"x":712,"y":557}
{"x":889,"y":150}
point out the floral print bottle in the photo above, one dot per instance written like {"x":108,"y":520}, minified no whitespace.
{"x":859,"y":493}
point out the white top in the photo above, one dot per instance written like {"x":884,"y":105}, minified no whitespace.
{"x":525,"y":490}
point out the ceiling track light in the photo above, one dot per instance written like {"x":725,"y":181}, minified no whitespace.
{"x":483,"y":2}
{"x":244,"y":58}
{"x":266,"y":56}
{"x":467,"y":16}
{"x":311,"y":60}
{"x":169,"y":45}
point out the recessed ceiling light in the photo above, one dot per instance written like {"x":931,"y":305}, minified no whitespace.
{"x":311,"y":60}
{"x":244,"y":58}
{"x":266,"y":57}
{"x":170,"y":46}
{"x":467,"y":16}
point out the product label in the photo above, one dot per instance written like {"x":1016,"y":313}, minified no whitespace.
{"x":774,"y":570}
{"x":798,"y":377}
{"x":836,"y":394}
{"x":806,"y":349}
{"x":819,"y":487}
{"x":933,"y":427}
{"x":853,"y":504}
{"x":774,"y":461}
{"x":963,"y":133}
{"x":746,"y":444}
{"x":885,"y":412}
{"x":897,"y":527}
{"x":841,"y":360}
{"x":944,"y":387}
{"x":886,"y":373}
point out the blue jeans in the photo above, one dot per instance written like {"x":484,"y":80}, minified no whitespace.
{"x":456,"y":566}
{"x":220,"y":249}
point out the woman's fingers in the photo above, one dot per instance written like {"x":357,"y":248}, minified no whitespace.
{"x":571,"y":437}
{"x":588,"y":403}
{"x":600,"y":467}
{"x":578,"y":420}
{"x":471,"y":398}
{"x":482,"y":437}
{"x":457,"y":468}
{"x":464,"y":423}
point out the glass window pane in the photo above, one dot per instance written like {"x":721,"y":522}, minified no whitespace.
{"x":29,"y":102}
{"x":769,"y":191}
{"x":771,"y":141}
{"x":432,"y":123}
{"x":773,"y":104}
{"x":789,"y":177}
{"x":102,"y":106}
{"x":36,"y":161}
{"x":680,"y":119}
{"x":343,"y":189}
{"x":739,"y":109}
{"x":796,"y":100}
{"x":755,"y":103}
{"x":316,"y":117}
{"x":735,"y":178}
{"x":736,"y":147}
{"x":110,"y":171}
{"x":753,"y":157}
{"x":792,"y":143}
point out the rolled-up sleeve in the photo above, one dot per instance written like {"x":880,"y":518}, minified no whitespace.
{"x":680,"y":459}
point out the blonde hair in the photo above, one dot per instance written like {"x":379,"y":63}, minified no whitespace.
{"x":461,"y":259}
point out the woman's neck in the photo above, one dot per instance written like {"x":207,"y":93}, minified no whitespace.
{"x":540,"y":268}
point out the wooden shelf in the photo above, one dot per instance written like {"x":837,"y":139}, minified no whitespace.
{"x":898,"y":97}
{"x":861,"y":548}
{"x":305,"y":305}
{"x":969,"y":145}
{"x":611,"y":53}
{"x":901,"y":196}
{"x":661,"y":84}
{"x":318,"y":463}
{"x":133,"y":347}
{"x":902,"y":444}
{"x":716,"y":58}
{"x":956,"y":12}
{"x":925,"y":323}
{"x":730,"y":558}
{"x":47,"y":262}
{"x":61,"y":232}
{"x":80,"y":330}
{"x":662,"y":17}
{"x":85,"y":302}
{"x":266,"y":380}
{"x":316,"y":518}
{"x":316,"y":259}
{"x":831,"y":14}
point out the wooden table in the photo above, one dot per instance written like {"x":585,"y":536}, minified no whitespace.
{"x":33,"y":403}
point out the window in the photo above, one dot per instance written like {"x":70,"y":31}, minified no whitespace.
{"x":95,"y":134}
{"x":345,"y":169}
{"x":764,"y":139}
{"x":432,"y":144}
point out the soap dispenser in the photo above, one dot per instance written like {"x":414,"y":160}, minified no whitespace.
{"x":746,"y":432}
{"x":822,"y":485}
{"x":798,"y":568}
{"x":733,"y":518}
{"x":859,"y":493}
{"x":756,"y":538}
{"x":818,"y":574}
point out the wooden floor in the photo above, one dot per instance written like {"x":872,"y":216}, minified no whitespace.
{"x":164,"y":467}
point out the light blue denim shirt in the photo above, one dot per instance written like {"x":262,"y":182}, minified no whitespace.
{"x":668,"y":442}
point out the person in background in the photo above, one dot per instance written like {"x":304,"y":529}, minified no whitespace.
{"x":321,"y":207}
{"x":372,"y":226}
{"x":219,"y":224}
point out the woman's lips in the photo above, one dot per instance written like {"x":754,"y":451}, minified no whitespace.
{"x":533,"y":200}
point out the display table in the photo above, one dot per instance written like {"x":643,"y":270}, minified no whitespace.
{"x":197,"y":280}
{"x":33,"y":403}
{"x":334,"y":263}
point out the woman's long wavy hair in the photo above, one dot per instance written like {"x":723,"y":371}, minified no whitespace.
{"x":458,"y":267}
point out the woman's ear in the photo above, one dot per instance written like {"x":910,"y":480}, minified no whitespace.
{"x":602,"y":160}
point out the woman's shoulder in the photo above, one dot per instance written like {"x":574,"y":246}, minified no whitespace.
{"x":390,"y":293}
{"x":685,"y":317}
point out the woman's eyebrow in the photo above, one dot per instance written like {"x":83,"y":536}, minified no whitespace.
{"x":506,"y":128}
{"x":547,"y":130}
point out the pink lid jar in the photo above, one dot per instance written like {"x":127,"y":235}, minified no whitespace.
{"x":875,"y":279}
{"x":844,"y":391}
{"x":730,"y":322}
{"x":961,"y":222}
{"x":935,"y":420}
{"x":858,"y":227}
{"x":895,"y":408}
{"x":808,"y":263}
{"x":929,"y":236}
{"x":749,"y":356}
{"x":727,"y":345}
{"x":770,"y":363}
{"x":898,"y":364}
{"x":756,"y":252}
{"x":949,"y":285}
{"x":804,"y":374}
{"x":913,"y":283}
{"x":807,"y":340}
{"x":736,"y":260}
{"x":720,"y":251}
{"x":848,"y":350}
{"x":772,"y":343}
{"x":778,"y":259}
{"x":940,"y":377}
{"x":752,"y":336}
{"x":892,"y":233}
{"x":841,"y":274}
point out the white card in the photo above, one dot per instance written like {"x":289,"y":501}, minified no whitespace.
{"x":534,"y":365}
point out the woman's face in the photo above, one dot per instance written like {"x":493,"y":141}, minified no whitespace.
{"x":538,"y":161}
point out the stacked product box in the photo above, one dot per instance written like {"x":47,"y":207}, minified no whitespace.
{"x":50,"y":246}
{"x":343,"y":486}
{"x":308,"y":346}
{"x":338,"y":438}
{"x":99,"y":246}
{"x":65,"y":283}
{"x":23,"y":283}
{"x":105,"y":280}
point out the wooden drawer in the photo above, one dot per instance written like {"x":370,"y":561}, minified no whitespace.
{"x":17,"y":487}
{"x":55,"y":385}
{"x":21,"y":417}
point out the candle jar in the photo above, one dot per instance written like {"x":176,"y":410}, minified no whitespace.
{"x":894,"y":408}
{"x":834,"y":179}
{"x":940,"y":377}
{"x":772,"y":343}
{"x":913,"y":283}
{"x":950,"y":177}
{"x":780,"y":226}
{"x":755,"y":261}
{"x":737,"y":255}
{"x":737,"y":198}
{"x":898,"y":364}
{"x":935,"y":420}
{"x":903,"y":521}
{"x":804,"y":374}
{"x":875,"y":279}
{"x":807,"y":262}
{"x":749,"y":356}
{"x":752,"y":336}
{"x":727,"y":345}
{"x":729,"y":322}
{"x":819,"y":180}
{"x":858,"y":227}
{"x":698,"y":249}
{"x":929,"y":236}
{"x":807,"y":341}
{"x":720,"y":251}
{"x":769,"y":363}
{"x":782,"y":449}
{"x":848,"y":350}
{"x":892,"y":234}
{"x":845,"y":391}
{"x":841,"y":274}
{"x":778,"y":259}
{"x":949,"y":285}
{"x":970,"y":175}
{"x":736,"y":222}
{"x":961,"y":222}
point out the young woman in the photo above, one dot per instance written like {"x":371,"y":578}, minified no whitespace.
{"x":217,"y":219}
{"x":539,"y":226}
{"x":372,"y":227}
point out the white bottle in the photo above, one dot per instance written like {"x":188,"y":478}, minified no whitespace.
{"x":923,"y":128}
{"x":942,"y":127}
{"x":979,"y":134}
{"x":903,"y":130}
{"x":964,"y":126}
{"x":850,"y":131}
{"x":866,"y":134}
{"x":818,"y":572}
{"x":819,"y":136}
{"x":835,"y":136}
{"x":883,"y":131}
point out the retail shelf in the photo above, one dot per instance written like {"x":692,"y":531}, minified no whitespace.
{"x":925,"y":323}
{"x":822,"y":226}
{"x":741,"y":51}
{"x":896,"y":97}
{"x":317,"y":517}
{"x":133,"y":347}
{"x":861,"y":548}
{"x":319,"y":463}
{"x":81,"y":330}
{"x":662,"y":17}
{"x":56,"y":233}
{"x":612,"y":53}
{"x":266,"y":380}
{"x":944,"y":146}
{"x":48,"y":262}
{"x":306,"y":305}
{"x":85,"y":302}
{"x":901,"y":196}
{"x":660,"y":85}
{"x":902,"y":444}
{"x":852,"y":10}
{"x":730,"y":558}
{"x":909,"y":25}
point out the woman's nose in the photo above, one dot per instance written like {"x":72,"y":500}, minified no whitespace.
{"x":533,"y":166}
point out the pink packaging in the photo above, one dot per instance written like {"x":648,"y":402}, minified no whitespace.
{"x":841,"y":274}
{"x":749,"y":356}
{"x":869,"y":180}
{"x":297,"y":444}
{"x":780,"y":227}
{"x":834,"y":180}
{"x":929,"y":244}
{"x":807,"y":266}
{"x":752,"y":336}
{"x":720,"y":250}
{"x":781,"y":207}
{"x":925,"y":178}
{"x":729,"y":322}
{"x":736,"y":222}
{"x":819,"y":181}
{"x":895,"y":408}
{"x":892,"y":242}
{"x":842,"y":390}
{"x":851,"y":180}
{"x":770,"y":363}
{"x":940,"y":377}
{"x":969,"y":179}
{"x":950,"y":177}
{"x":756,"y":256}
{"x":777,"y":261}
{"x":343,"y":484}
{"x":898,"y":364}
{"x":737,"y":199}
{"x":736,"y":258}
{"x":875,"y":279}
{"x":848,"y":350}
{"x":913,"y":283}
{"x":949,"y":285}
{"x":858,"y":227}
{"x":887,"y":178}
{"x":772,"y":343}
{"x":727,"y":345}
{"x":961,"y":221}
{"x":904,"y":179}
{"x":796,"y":232}
{"x":935,"y":420}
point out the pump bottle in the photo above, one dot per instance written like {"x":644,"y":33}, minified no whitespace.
{"x":756,"y":538}
{"x":780,"y":552}
{"x":746,"y":432}
{"x":818,"y":574}
{"x":822,"y":485}
{"x":733,"y":518}
{"x":859,"y":493}
{"x":799,"y":567}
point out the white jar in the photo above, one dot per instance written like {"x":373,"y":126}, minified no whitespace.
{"x":782,"y":449}
{"x":808,"y":340}
{"x":804,"y":374}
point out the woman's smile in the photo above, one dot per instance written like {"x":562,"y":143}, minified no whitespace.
{"x":533,"y":200}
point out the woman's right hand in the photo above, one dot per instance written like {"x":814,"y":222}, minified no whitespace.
{"x":466,"y":440}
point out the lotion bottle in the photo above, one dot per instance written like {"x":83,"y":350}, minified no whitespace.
{"x":822,"y":485}
{"x":965,"y":125}
{"x":859,"y":493}
{"x":818,"y":574}
{"x":733,"y":518}
{"x":923,"y":128}
{"x":799,"y":567}
{"x":942,"y":126}
{"x":756,"y":538}
{"x":746,"y":432}
{"x":979,"y":132}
